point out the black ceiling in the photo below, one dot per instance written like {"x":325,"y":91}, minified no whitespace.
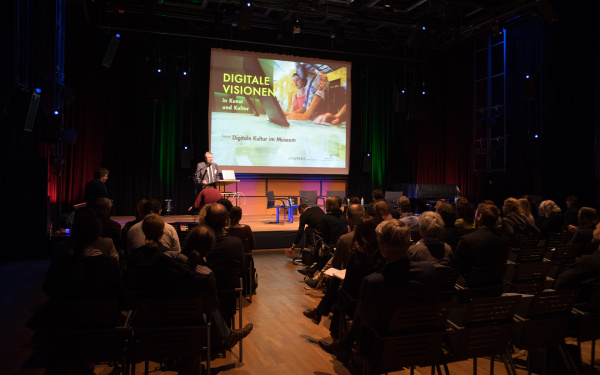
{"x":369,"y":26}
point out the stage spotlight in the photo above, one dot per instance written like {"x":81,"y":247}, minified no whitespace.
{"x":403,"y":91}
{"x":56,"y":113}
{"x":39,"y":91}
{"x":184,"y":73}
{"x":536,"y":136}
{"x":117,"y":36}
{"x":423,"y":92}
{"x":423,"y":28}
{"x":527,"y":76}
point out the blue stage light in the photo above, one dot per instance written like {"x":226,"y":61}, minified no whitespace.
{"x":117,"y":36}
{"x":404,"y":91}
{"x":424,"y":28}
{"x":39,"y":91}
{"x":536,"y":136}
{"x":185,"y":73}
{"x":56,"y":113}
{"x":527,"y":76}
{"x":248,"y":4}
{"x":159,"y":70}
{"x":185,"y":147}
{"x":368,"y":154}
{"x":423,"y":92}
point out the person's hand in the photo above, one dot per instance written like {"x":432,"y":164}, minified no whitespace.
{"x":572,"y":228}
{"x":327,"y":118}
{"x":296,"y":116}
{"x":190,"y":209}
{"x":204,"y":182}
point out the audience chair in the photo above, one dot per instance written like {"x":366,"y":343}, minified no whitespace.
{"x":530,"y":278}
{"x":412,"y":336}
{"x":445,"y":283}
{"x":557,"y":239}
{"x":481,"y":282}
{"x":230,"y":296}
{"x":484,"y":330}
{"x":545,"y":325}
{"x":272,"y":203}
{"x":247,"y":276}
{"x":337,"y":193}
{"x":170,"y":329}
{"x":585,"y":323}
{"x":528,"y":254}
{"x":532,"y":240}
{"x":87,"y":331}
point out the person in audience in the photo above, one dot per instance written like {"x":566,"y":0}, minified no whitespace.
{"x":138,"y":212}
{"x":377,"y":196}
{"x":310,"y":217}
{"x":553,"y":220}
{"x":406,"y":215}
{"x":227,"y":203}
{"x":451,"y":233}
{"x":465,"y":214}
{"x":430,"y":248}
{"x":110,"y":228}
{"x":525,"y":207}
{"x":334,"y":224}
{"x":400,"y":283}
{"x":96,"y":188}
{"x":364,"y":259}
{"x":572,"y":212}
{"x":382,"y":212}
{"x":483,"y":248}
{"x":225,"y":259}
{"x":87,"y":272}
{"x":343,"y":248}
{"x":136,"y":238}
{"x":239,"y":230}
{"x":198,"y":246}
{"x":583,"y":235}
{"x":514,"y":224}
{"x":584,"y":273}
{"x":209,"y":194}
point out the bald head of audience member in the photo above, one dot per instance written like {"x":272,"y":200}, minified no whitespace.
{"x":393,"y":237}
{"x":217,"y":217}
{"x":355,"y":213}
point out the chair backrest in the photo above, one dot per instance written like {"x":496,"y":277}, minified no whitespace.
{"x":336,"y":193}
{"x":392,"y":197}
{"x":308,"y":196}
{"x":169,"y":312}
{"x":270,"y":199}
{"x":529,"y":272}
{"x":526,"y":255}
{"x":556,"y":302}
{"x":557,"y":239}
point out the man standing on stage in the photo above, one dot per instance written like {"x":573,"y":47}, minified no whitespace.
{"x":206,"y":172}
{"x":96,"y":188}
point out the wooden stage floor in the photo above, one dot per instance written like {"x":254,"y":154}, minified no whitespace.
{"x":258,"y":223}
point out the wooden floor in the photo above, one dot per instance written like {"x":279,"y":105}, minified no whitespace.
{"x":283,"y":340}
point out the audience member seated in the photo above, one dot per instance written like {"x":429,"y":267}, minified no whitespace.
{"x":400,"y":283}
{"x":553,"y":220}
{"x":514,"y":224}
{"x":356,"y":213}
{"x":136,"y":238}
{"x":227,"y":203}
{"x":67,"y":247}
{"x":406,"y":215}
{"x":110,"y":228}
{"x":138,"y":212}
{"x":310,"y":217}
{"x":364,"y":259}
{"x":87,"y":272}
{"x":451,"y":233}
{"x":572,"y":212}
{"x":333,"y":225}
{"x":378,"y":196}
{"x":225,"y":259}
{"x":525,"y":207}
{"x":430,"y":248}
{"x":583,"y":235}
{"x":241,"y":231}
{"x":584,"y":273}
{"x":483,"y":248}
{"x":465,"y":214}
{"x":382,"y":212}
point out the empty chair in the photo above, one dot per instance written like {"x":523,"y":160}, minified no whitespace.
{"x":309,"y":197}
{"x":336,"y":193}
{"x":392,"y":197}
{"x":272,"y":201}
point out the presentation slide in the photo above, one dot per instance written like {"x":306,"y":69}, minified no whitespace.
{"x":278,"y":114}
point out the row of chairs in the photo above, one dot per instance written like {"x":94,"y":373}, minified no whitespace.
{"x":157,"y":330}
{"x":434,"y":335}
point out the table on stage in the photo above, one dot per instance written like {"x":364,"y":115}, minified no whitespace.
{"x":222,"y":184}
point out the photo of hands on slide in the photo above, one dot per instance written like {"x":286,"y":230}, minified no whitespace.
{"x":270,"y":115}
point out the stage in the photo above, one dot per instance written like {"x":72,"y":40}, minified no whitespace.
{"x":267,"y":235}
